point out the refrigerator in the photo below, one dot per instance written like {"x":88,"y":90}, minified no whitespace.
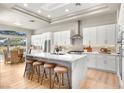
{"x":120,"y":49}
{"x":47,"y":46}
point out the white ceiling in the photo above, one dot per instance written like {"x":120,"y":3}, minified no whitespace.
{"x":19,"y":15}
{"x":55,"y":9}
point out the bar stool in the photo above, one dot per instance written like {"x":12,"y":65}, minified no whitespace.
{"x":60,"y":71}
{"x":36,"y":68}
{"x":49,"y":67}
{"x":28,"y":62}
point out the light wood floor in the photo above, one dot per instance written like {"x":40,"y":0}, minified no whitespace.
{"x":11,"y":76}
{"x":96,"y":79}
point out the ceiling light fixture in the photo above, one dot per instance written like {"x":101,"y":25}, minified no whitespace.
{"x":77,"y":4}
{"x":25,"y":5}
{"x":66,"y":10}
{"x":17,"y":23}
{"x":31,"y":20}
{"x":39,"y":11}
{"x":49,"y":16}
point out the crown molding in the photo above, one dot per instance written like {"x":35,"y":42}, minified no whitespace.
{"x":30,"y":13}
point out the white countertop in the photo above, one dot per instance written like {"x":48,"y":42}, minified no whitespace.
{"x":97,"y":53}
{"x":65,"y":57}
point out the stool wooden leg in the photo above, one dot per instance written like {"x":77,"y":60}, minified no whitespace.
{"x":25,"y":70}
{"x":50,"y":77}
{"x":29,"y":75}
{"x":62,"y":79}
{"x":59,"y":80}
{"x":68,"y":80}
{"x":36,"y":68}
{"x":38,"y":73}
{"x":32,"y":72}
{"x":54,"y":76}
{"x":43,"y":76}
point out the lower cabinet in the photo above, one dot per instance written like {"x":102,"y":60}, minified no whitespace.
{"x":102,"y":62}
{"x":92,"y":61}
{"x":111,"y":63}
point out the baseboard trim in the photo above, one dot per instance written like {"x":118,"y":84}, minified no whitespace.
{"x":103,"y":70}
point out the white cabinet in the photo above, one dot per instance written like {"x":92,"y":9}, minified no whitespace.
{"x":92,"y":61}
{"x":89,"y":36}
{"x":93,"y":36}
{"x":86,"y":36}
{"x":106,"y":62}
{"x":100,"y":35}
{"x":61,"y":38}
{"x":102,"y":62}
{"x":56,"y":38}
{"x":110,"y":64}
{"x":111,"y":34}
{"x":106,"y":35}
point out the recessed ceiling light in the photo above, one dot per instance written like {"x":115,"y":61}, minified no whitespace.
{"x":66,"y":10}
{"x":25,"y":5}
{"x":49,"y":16}
{"x":17,"y":23}
{"x":31,"y":20}
{"x":39,"y":11}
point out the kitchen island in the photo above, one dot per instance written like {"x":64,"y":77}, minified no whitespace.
{"x":76,"y":63}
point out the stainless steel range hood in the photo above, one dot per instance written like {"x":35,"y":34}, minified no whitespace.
{"x":78,"y":35}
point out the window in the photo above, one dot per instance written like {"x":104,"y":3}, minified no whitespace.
{"x":13,"y":33}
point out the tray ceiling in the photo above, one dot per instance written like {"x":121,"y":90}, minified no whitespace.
{"x":55,"y":9}
{"x":35,"y":15}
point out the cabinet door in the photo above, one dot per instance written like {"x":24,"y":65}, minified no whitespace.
{"x":55,"y":38}
{"x":111,"y":32}
{"x":101,"y":35}
{"x":60,"y":37}
{"x":92,"y":61}
{"x":110,"y":65}
{"x":92,"y":37}
{"x":86,"y":36}
{"x":106,"y":62}
{"x":101,"y":60}
{"x":67,"y":40}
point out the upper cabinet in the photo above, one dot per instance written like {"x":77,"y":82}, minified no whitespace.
{"x":61,"y":38}
{"x":86,"y":36}
{"x":89,"y":36}
{"x":100,"y":35}
{"x":111,"y":34}
{"x":39,"y":40}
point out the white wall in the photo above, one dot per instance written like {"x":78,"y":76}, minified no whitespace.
{"x":100,"y":20}
{"x":52,"y":28}
{"x":13,"y":28}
